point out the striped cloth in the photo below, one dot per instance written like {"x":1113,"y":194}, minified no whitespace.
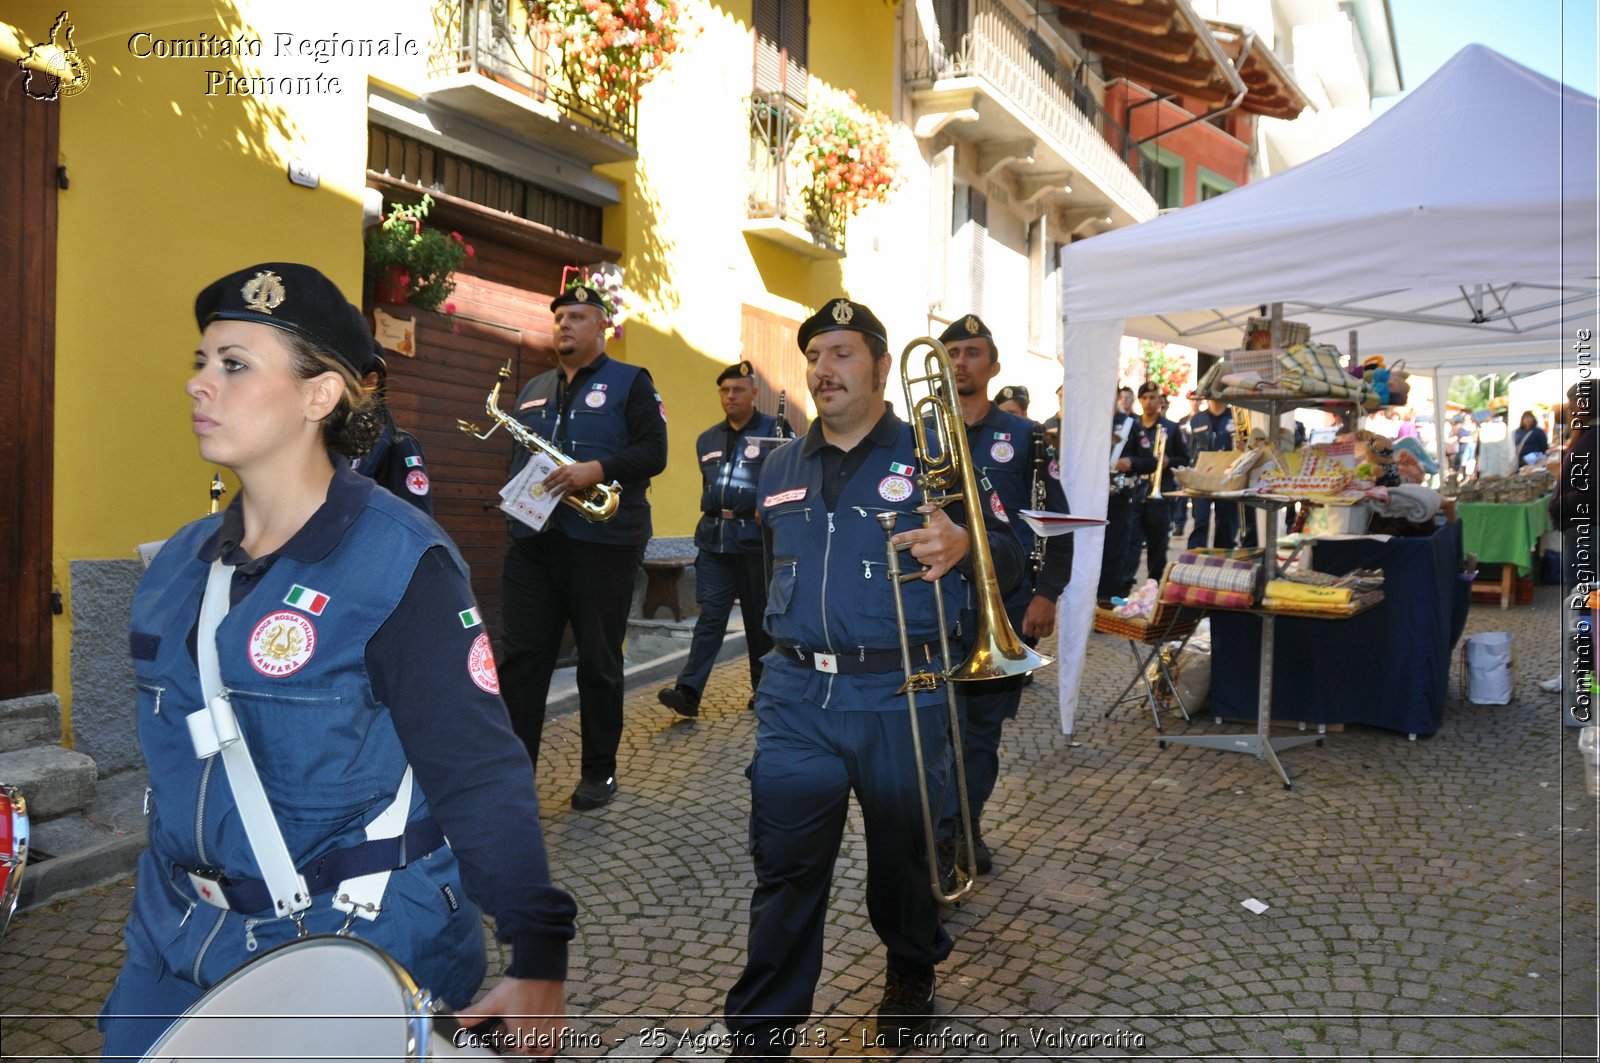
{"x":1242,"y":580}
{"x":1177,"y":594}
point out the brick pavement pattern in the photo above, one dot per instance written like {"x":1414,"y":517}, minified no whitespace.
{"x":1426,"y":898}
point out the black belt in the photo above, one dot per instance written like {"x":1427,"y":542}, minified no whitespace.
{"x":860,"y":661}
{"x":728,"y":514}
{"x":248,"y":895}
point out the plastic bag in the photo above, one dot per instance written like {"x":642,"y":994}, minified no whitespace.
{"x":1488,"y":667}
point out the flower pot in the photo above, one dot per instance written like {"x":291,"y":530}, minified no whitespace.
{"x":391,"y":286}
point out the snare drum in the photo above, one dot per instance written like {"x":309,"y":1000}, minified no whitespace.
{"x":13,"y":850}
{"x":319,"y":998}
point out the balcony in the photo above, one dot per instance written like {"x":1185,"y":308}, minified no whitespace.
{"x":497,"y":67}
{"x":1002,"y":86}
{"x":785,"y":207}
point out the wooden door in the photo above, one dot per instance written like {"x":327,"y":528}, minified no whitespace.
{"x":29,"y":128}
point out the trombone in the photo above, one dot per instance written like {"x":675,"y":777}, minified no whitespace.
{"x":597,"y":504}
{"x":997,"y":651}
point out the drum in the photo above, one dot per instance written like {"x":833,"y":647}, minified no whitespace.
{"x":323,"y":997}
{"x":13,"y":850}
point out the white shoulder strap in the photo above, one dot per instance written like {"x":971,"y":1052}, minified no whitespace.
{"x":214,"y":729}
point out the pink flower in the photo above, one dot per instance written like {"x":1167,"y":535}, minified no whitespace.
{"x":449,"y":308}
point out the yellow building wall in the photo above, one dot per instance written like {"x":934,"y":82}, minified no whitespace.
{"x":687,"y":261}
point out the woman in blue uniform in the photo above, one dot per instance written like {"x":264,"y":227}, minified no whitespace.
{"x":353,"y":659}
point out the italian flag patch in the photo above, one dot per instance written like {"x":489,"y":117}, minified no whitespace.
{"x":470,"y":617}
{"x":903,"y":470}
{"x":413,"y":460}
{"x":313,"y":602}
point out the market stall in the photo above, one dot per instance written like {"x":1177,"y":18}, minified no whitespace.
{"x":1455,"y":257}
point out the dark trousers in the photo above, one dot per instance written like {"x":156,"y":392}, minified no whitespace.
{"x":1152,"y":521}
{"x":808,"y":761}
{"x":1227,"y":533}
{"x":718,"y":580}
{"x":548,"y":582}
{"x":1119,"y":513}
{"x":985,"y":708}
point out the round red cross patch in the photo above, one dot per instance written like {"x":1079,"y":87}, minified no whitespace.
{"x":996,"y":508}
{"x":894,"y":489}
{"x":282,"y":643}
{"x":417,"y":482}
{"x":596,"y":399}
{"x":480,"y":665}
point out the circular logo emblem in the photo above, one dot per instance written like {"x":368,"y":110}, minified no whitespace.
{"x":282,"y":643}
{"x":1055,"y":469}
{"x":595,"y":399}
{"x":1002,"y":451}
{"x":752,"y":452}
{"x":480,"y":665}
{"x":997,"y":509}
{"x":417,"y":482}
{"x":894,"y":489}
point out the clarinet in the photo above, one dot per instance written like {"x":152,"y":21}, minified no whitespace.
{"x":1037,"y":501}
{"x":780,"y":424}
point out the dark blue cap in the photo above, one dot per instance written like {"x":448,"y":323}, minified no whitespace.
{"x":293,"y":297}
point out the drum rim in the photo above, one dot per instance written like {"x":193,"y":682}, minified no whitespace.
{"x":17,"y":859}
{"x":416,"y":1003}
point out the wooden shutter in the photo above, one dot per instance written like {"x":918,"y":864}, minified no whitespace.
{"x":769,"y":47}
{"x":769,"y":344}
{"x":796,"y":25}
{"x":781,"y":29}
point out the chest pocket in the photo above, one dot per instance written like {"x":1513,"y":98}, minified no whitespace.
{"x":585,"y":427}
{"x":540,"y":419}
{"x":320,"y":757}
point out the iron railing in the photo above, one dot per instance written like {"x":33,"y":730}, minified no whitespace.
{"x":781,"y":187}
{"x":994,"y":44}
{"x":496,"y":40}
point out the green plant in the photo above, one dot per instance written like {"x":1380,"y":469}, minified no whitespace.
{"x":428,"y":257}
{"x":1171,"y":373}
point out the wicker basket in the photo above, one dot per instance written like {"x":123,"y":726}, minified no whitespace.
{"x":1208,"y":475}
{"x":1148,"y":630}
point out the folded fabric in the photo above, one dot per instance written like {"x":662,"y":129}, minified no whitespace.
{"x":1215,"y":578}
{"x":1177,"y":594}
{"x":1409,"y":502}
{"x":1285,"y":591}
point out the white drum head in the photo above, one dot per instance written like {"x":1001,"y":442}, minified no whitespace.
{"x":320,"y":998}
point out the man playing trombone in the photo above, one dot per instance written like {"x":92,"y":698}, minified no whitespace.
{"x":1010,"y":452}
{"x":830,"y":716}
{"x":607,"y":416}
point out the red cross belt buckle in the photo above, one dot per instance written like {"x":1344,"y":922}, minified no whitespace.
{"x":825,"y":662}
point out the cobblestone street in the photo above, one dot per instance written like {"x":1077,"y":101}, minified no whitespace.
{"x":1430,"y":898}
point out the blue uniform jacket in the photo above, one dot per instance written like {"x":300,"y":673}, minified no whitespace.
{"x":605,"y":415}
{"x":730,"y":466}
{"x":1001,"y":446}
{"x":829,"y":592}
{"x":396,"y":463}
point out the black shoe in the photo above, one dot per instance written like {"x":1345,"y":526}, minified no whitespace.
{"x":907,"y":1005}
{"x":750,"y":706}
{"x":946,"y":853}
{"x":594,"y":793}
{"x":1102,"y":603}
{"x":685,"y":701}
{"x":984,"y":860}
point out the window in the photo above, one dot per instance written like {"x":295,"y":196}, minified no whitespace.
{"x":1161,"y":173}
{"x":1210,"y":185}
{"x":781,"y":30}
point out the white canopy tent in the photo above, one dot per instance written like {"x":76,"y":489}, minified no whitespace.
{"x":1457,"y":231}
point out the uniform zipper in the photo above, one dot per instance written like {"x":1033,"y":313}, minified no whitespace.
{"x":194,"y":974}
{"x":157,"y":691}
{"x":827,"y":637}
{"x":250,"y":943}
{"x":200,"y":813}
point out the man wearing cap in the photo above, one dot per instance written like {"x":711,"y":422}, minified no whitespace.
{"x":1150,"y":525}
{"x":727,"y":540}
{"x":829,"y":719}
{"x":1003,"y":448}
{"x":395,"y":460}
{"x":1012,"y":399}
{"x":606,"y":416}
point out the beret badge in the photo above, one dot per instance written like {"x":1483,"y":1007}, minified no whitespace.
{"x":264,"y":292}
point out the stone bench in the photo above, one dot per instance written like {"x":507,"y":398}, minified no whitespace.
{"x":662,"y":575}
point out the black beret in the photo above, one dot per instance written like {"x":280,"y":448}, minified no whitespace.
{"x":582,"y":295}
{"x":1012,"y":393}
{"x":1148,"y":386}
{"x":295,"y":298}
{"x":841,"y":315}
{"x":737,"y":371}
{"x":376,"y":362}
{"x":966,"y":328}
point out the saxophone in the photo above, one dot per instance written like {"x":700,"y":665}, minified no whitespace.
{"x":598,"y":503}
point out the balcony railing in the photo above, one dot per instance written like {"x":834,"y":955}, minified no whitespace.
{"x":494,"y":39}
{"x":995,"y":45}
{"x":781,"y":188}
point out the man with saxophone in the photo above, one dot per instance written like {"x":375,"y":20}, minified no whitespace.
{"x":608,"y":417}
{"x":830,"y":718}
{"x":1008,"y":451}
{"x":727,"y":539}
{"x":1156,"y":448}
